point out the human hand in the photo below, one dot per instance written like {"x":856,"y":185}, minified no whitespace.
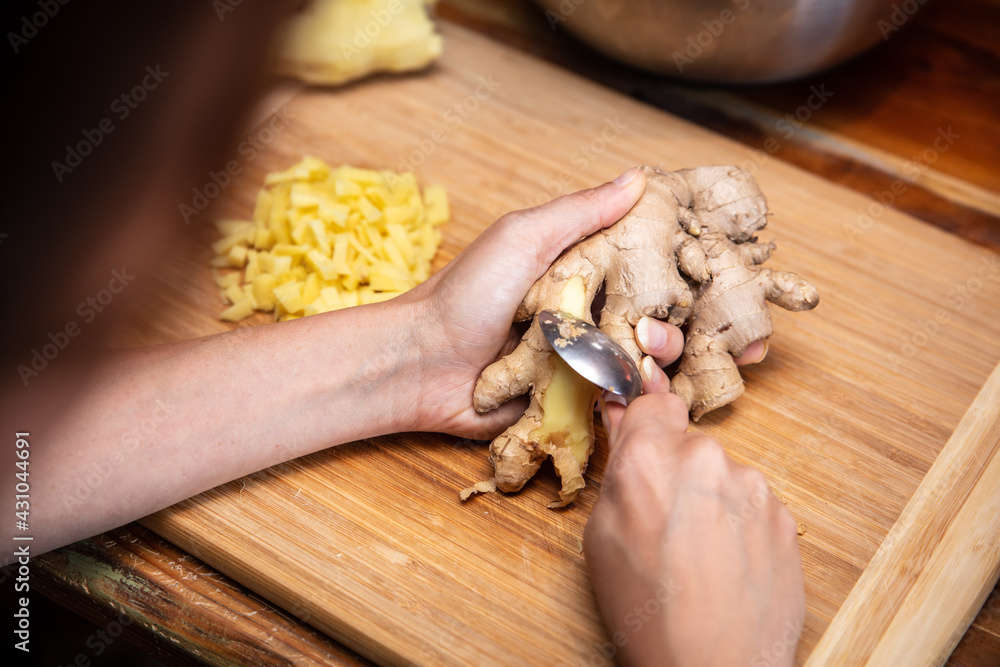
{"x":466,"y":309}
{"x":692,"y":557}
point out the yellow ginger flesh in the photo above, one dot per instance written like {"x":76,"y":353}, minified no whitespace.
{"x":323,"y":238}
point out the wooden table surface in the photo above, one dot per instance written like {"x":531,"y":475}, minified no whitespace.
{"x":887,"y":106}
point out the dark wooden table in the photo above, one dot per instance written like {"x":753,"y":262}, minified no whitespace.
{"x":887,"y":107}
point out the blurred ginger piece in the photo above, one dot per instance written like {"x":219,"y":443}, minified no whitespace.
{"x":334,"y":41}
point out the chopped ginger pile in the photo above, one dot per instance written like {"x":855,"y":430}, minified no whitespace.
{"x":324,"y":238}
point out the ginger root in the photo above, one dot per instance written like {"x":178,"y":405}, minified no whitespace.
{"x":559,"y":419}
{"x":685,"y":253}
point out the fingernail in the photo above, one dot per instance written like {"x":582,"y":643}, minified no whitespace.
{"x":651,"y":336}
{"x":614,"y":398}
{"x":604,"y":417}
{"x":626,"y":177}
{"x":648,"y":370}
{"x":763,"y":353}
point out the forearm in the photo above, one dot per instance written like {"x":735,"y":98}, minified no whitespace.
{"x":157,"y":425}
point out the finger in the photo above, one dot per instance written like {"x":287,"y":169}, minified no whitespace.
{"x":753,"y":354}
{"x":660,"y":415}
{"x":506,"y":259}
{"x":654,"y":380}
{"x":489,"y":425}
{"x":549,"y":229}
{"x":664,"y":342}
{"x":612,"y":411}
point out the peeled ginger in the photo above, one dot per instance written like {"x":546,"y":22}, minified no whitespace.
{"x":331,"y":42}
{"x":323,"y":238}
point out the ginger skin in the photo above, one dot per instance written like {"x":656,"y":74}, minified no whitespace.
{"x":696,"y":222}
{"x":730,"y":310}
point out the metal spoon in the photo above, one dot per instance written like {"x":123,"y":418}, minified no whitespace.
{"x":591,"y":353}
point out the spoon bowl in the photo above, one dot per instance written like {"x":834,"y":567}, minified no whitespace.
{"x":591,"y":353}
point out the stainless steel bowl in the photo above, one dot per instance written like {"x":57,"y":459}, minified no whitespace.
{"x":745,"y":41}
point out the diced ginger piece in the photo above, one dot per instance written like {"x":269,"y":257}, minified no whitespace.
{"x":291,"y":249}
{"x":225,"y":280}
{"x":318,"y":231}
{"x":262,"y":208}
{"x":264,"y":239}
{"x":316,"y":307}
{"x":387,"y":277}
{"x":402,"y":241}
{"x":311,"y":287}
{"x":234,"y":293}
{"x":340,"y":254}
{"x":323,"y":238}
{"x":238,"y":311}
{"x":349,"y":298}
{"x":331,"y":297}
{"x":231,"y":227}
{"x":263,"y":291}
{"x":323,"y":264}
{"x":436,"y":200}
{"x":227,"y":243}
{"x":334,"y":212}
{"x":345,"y":188}
{"x":368,"y":210}
{"x":237,"y":256}
{"x":350,"y":282}
{"x":281,"y":264}
{"x":278,"y":222}
{"x":362,"y":251}
{"x":393,"y":255}
{"x":289,"y":295}
{"x":399,"y":215}
{"x":252,"y":267}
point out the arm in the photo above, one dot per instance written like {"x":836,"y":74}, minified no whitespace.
{"x":694,"y":561}
{"x":150,"y":427}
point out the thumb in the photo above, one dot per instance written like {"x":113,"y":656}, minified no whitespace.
{"x":555,"y":225}
{"x":506,"y":259}
{"x":543,"y":232}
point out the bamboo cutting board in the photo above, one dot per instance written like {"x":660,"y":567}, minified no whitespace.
{"x":369,"y":543}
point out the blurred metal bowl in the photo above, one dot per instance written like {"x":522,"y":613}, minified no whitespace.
{"x":744,"y":41}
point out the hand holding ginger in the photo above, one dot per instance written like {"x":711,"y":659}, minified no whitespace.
{"x":687,"y":253}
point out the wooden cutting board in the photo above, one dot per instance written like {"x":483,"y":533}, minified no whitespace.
{"x":369,"y":542}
